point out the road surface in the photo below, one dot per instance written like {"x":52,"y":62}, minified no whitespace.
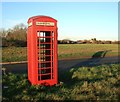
{"x":65,"y":64}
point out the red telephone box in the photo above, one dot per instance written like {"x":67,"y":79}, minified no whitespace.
{"x":42,"y":50}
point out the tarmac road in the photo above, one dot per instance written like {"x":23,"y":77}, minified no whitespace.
{"x":65,"y":64}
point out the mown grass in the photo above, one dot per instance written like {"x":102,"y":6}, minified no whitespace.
{"x":65,"y":51}
{"x":85,"y":50}
{"x":83,"y":83}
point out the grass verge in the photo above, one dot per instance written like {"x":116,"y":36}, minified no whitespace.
{"x":83,"y":83}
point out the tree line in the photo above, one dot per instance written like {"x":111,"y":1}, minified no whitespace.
{"x":17,"y":36}
{"x":91,"y":41}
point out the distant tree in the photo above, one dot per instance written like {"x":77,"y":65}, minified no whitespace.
{"x":107,"y":42}
{"x":94,"y":40}
{"x":15,"y":37}
{"x":3,"y":33}
{"x":66,"y":41}
{"x":59,"y":41}
{"x":115,"y":42}
{"x":18,"y":33}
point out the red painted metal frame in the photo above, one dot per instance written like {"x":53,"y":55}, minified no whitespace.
{"x":32,"y":46}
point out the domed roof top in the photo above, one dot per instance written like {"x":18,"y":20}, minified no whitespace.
{"x":41,"y":16}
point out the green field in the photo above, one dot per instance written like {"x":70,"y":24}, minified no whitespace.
{"x":83,"y":83}
{"x":65,"y":51}
{"x":85,"y":50}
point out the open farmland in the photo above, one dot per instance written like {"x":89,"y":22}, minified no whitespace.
{"x":65,"y":51}
{"x":86,"y":50}
{"x":82,"y":83}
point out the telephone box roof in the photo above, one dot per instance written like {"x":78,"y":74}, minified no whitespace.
{"x":42,"y":16}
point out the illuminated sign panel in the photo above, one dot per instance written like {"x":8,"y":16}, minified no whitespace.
{"x":45,"y":23}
